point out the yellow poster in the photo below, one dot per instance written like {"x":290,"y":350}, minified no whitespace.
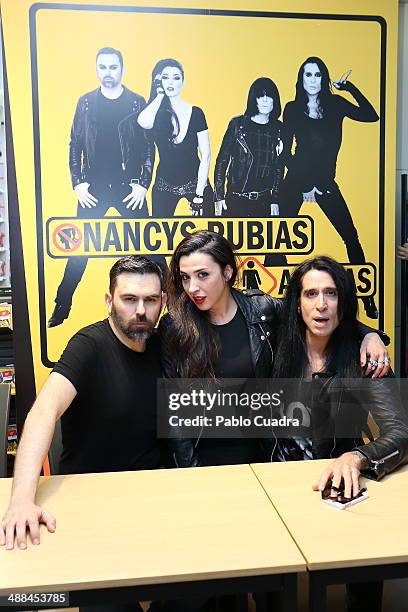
{"x":311,"y":172}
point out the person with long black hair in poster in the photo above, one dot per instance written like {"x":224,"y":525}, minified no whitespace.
{"x":250,"y":157}
{"x":181,"y":134}
{"x":315,"y":120}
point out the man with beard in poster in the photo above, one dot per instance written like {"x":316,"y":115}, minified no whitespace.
{"x":110,"y":160}
{"x":104,"y":390}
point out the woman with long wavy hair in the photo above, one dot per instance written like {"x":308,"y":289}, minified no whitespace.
{"x":216,"y":331}
{"x":314,"y":119}
{"x":180,"y":132}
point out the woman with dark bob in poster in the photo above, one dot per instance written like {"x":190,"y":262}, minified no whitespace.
{"x":319,"y":346}
{"x":250,"y":157}
{"x":181,"y":134}
{"x":315,"y":120}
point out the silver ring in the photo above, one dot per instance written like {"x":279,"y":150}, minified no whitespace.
{"x":373,"y":363}
{"x":381,"y":361}
{"x":387,"y":360}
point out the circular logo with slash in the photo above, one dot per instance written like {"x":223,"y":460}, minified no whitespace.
{"x":67,"y":237}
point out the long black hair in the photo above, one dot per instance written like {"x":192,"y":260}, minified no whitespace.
{"x":166,"y":122}
{"x":192,"y":340}
{"x":325,"y":94}
{"x":342,"y":353}
{"x":263,"y":87}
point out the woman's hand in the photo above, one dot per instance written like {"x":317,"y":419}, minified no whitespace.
{"x":402,"y":251}
{"x":342,"y":83}
{"x":219,"y":207}
{"x":374,"y":355}
{"x":196,"y":206}
{"x":310,"y":196}
{"x":158,"y":84}
{"x":346,"y":467}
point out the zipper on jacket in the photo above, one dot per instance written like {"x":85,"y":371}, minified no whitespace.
{"x":384,"y":459}
{"x":120,"y":138}
{"x":244,"y":145}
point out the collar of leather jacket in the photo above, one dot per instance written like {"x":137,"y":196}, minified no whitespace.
{"x":249,"y":303}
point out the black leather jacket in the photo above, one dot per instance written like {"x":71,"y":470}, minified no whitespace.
{"x":136,"y":148}
{"x":381,"y":398}
{"x":261,"y":313}
{"x":235,"y":159}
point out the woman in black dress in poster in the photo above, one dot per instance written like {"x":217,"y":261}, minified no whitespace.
{"x":181,"y":134}
{"x":315,"y":120}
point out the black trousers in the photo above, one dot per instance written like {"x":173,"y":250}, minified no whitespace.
{"x":164,"y":203}
{"x":239,"y":206}
{"x":334,"y":207}
{"x":107,"y":196}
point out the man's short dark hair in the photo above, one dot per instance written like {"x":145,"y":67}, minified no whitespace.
{"x":134,"y":264}
{"x":111,"y":51}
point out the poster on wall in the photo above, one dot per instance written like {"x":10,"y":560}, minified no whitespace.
{"x":134,"y":125}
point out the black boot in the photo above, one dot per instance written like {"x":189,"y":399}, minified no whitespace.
{"x":370,"y":307}
{"x":60,"y":313}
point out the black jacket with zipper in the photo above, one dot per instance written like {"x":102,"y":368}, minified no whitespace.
{"x":347,"y":403}
{"x":235,"y":158}
{"x":136,"y":149}
{"x":261,"y":313}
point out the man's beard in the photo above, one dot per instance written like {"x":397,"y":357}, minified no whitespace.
{"x":139,"y":334}
{"x":110,"y":83}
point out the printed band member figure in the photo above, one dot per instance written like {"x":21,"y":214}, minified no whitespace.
{"x":250,"y":157}
{"x":315,"y":120}
{"x":181,"y":134}
{"x":110,"y":160}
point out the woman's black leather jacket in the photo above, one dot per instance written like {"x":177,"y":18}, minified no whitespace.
{"x":235,"y":158}
{"x":261,"y":313}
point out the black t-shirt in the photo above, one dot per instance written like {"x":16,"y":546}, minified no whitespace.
{"x":111,"y":424}
{"x":317,"y":142}
{"x":108,"y":155}
{"x":179,"y":162}
{"x":234,"y":362}
{"x":235,"y":356}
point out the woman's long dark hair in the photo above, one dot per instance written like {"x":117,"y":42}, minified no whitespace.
{"x":325,"y":95}
{"x":192,"y":340}
{"x":166,"y":122}
{"x":342,"y":356}
{"x":263,"y":87}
